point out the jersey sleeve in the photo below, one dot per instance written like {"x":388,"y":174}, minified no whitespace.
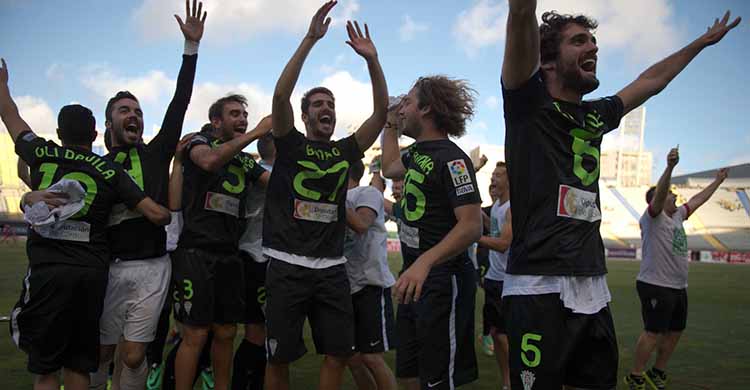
{"x":26,"y":145}
{"x":126,"y":188}
{"x":457,"y":177}
{"x":254,"y":170}
{"x":521,"y":103}
{"x":288,"y":143}
{"x":611,"y":109}
{"x":370,"y":198}
{"x":350,"y":149}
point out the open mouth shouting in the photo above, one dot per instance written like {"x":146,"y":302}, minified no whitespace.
{"x":589,"y":65}
{"x":326,"y":118}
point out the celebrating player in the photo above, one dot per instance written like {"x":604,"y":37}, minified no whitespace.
{"x":441,"y":218}
{"x":68,"y":261}
{"x":560,"y":325}
{"x":662,"y":280}
{"x":304,"y":220}
{"x":133,"y":313}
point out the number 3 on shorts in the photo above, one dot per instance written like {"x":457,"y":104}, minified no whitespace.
{"x":533,"y":350}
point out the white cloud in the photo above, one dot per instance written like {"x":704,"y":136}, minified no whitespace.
{"x":481,"y":25}
{"x":54,"y":72}
{"x":38,"y":114}
{"x":409,"y":28}
{"x":643,"y":28}
{"x":492,"y":102}
{"x":353,"y":102}
{"x":148,"y":88}
{"x":232,"y":20}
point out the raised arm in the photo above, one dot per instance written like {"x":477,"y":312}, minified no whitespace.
{"x":391,"y":165}
{"x":8,"y":109}
{"x":212,"y":159}
{"x":467,"y":230}
{"x":521,"y":44}
{"x":700,"y":198}
{"x":662,"y":186}
{"x":282,"y":113}
{"x":175,"y":178}
{"x":502,"y":242}
{"x":362,"y":44}
{"x":171,"y":127}
{"x":656,"y":78}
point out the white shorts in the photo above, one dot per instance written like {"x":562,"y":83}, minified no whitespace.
{"x":135,"y":295}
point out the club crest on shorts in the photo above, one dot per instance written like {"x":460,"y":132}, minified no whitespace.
{"x":272,"y":345}
{"x":188,"y":305}
{"x":459,"y":172}
{"x":653,"y":303}
{"x":527,"y":378}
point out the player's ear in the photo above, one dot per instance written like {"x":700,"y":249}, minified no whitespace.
{"x":94,"y":133}
{"x":216,"y":123}
{"x":305,"y":117}
{"x":108,"y":124}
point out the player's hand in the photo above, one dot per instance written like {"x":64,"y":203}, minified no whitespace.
{"x":361,"y":43}
{"x":673,"y":157}
{"x":52,"y":199}
{"x":179,"y":152}
{"x":720,"y":28}
{"x":320,"y":21}
{"x":264,"y":126}
{"x":192,"y":27}
{"x":722,"y":174}
{"x":408,"y":288}
{"x":3,"y":72}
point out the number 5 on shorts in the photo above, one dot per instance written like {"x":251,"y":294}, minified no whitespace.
{"x":526,"y":346}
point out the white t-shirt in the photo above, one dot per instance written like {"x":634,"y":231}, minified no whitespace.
{"x":367,"y":254}
{"x":251,"y":241}
{"x":498,"y":260}
{"x":173,"y":230}
{"x":665,"y":252}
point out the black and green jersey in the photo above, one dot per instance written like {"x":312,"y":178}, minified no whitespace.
{"x":212,"y":200}
{"x":439,"y":178}
{"x":553,"y":153}
{"x":305,"y":212}
{"x":132,"y":236}
{"x":81,"y":239}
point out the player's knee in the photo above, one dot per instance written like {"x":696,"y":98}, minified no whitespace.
{"x":225,"y":332}
{"x":255,"y":334}
{"x":335,"y":361}
{"x":372,"y":359}
{"x":133,"y":358}
{"x":194,"y":336}
{"x":48,"y":381}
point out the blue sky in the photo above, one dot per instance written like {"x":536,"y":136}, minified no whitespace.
{"x":83,"y":51}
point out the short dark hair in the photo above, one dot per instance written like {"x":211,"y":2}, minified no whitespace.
{"x":306,"y":97}
{"x":217,"y":108}
{"x":118,"y":96}
{"x":357,"y":170}
{"x":650,"y":194}
{"x":451,"y":102}
{"x":266,"y":147}
{"x":108,"y":139}
{"x":76,"y":125}
{"x":550,"y":32}
{"x":501,"y":164}
{"x":207,"y":128}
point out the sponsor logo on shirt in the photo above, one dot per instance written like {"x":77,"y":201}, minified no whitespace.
{"x":577,"y":204}
{"x":463,"y":190}
{"x":459,"y":172}
{"x":66,"y":230}
{"x":222,"y":203}
{"x":409,"y":235}
{"x":315,"y":212}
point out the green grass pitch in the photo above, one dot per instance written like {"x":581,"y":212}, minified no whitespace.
{"x":714,"y":352}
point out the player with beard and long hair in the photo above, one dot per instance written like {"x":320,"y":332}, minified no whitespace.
{"x":560,"y":327}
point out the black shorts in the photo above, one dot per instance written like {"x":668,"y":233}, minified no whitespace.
{"x":551,"y":346}
{"x":373,"y":319}
{"x":492,"y":312}
{"x":663,"y":309}
{"x":255,"y":290}
{"x":294,"y":293}
{"x":435,"y":335}
{"x":207,"y":288}
{"x":56,"y":320}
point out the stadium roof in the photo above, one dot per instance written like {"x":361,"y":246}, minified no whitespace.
{"x":739,"y":176}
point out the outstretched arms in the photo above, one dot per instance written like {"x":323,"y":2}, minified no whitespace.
{"x":362,"y":45}
{"x":656,"y":78}
{"x":698,"y":199}
{"x":8,"y":109}
{"x":282,"y":113}
{"x":521,"y":59}
{"x":662,"y":186}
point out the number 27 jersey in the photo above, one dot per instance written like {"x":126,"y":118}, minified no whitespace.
{"x":439,"y":178}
